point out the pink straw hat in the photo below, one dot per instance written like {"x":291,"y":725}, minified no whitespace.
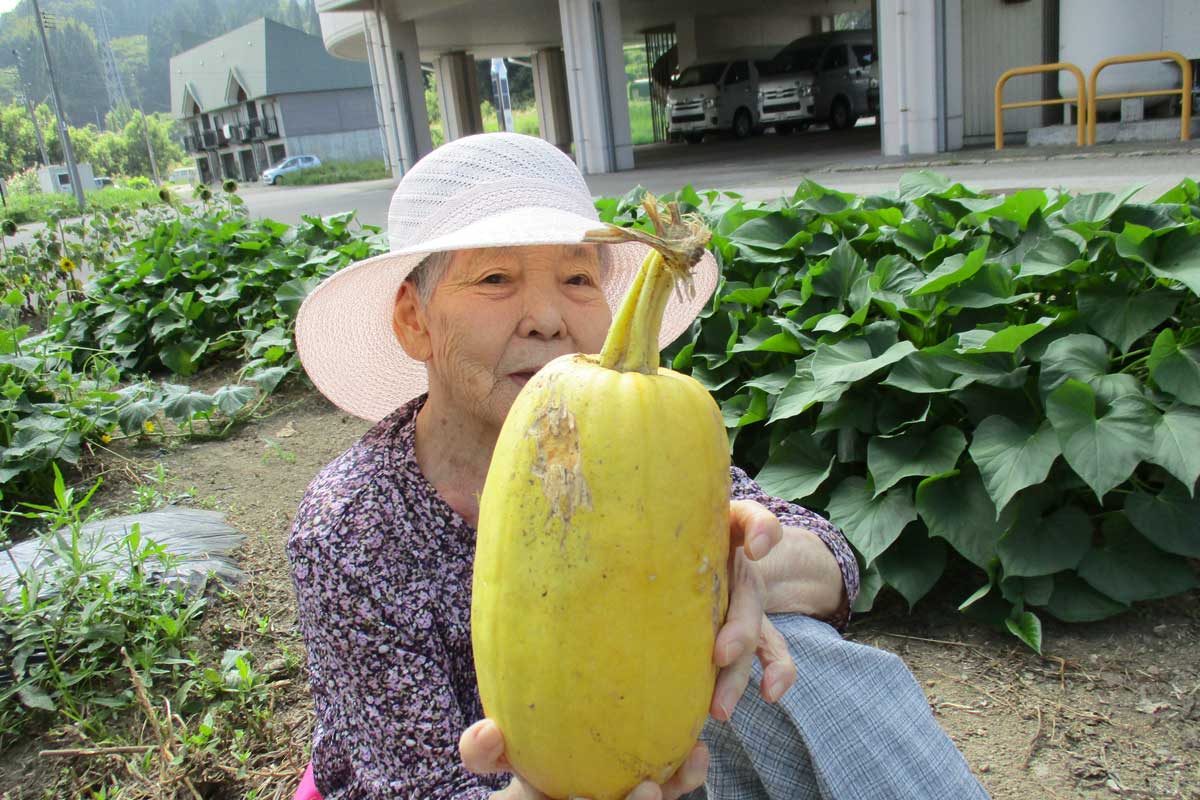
{"x":489,"y":190}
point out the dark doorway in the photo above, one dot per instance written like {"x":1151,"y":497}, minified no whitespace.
{"x":249,"y":173}
{"x":204,"y":169}
{"x":278,"y":153}
{"x":228,"y":166}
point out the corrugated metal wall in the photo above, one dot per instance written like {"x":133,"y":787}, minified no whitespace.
{"x":998,"y":36}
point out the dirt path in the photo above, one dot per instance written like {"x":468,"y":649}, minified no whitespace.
{"x":1112,"y":710}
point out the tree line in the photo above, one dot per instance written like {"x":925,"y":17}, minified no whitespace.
{"x":119,"y":149}
{"x":145,"y":34}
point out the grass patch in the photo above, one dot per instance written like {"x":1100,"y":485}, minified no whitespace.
{"x":525,"y":120}
{"x":641,"y":124}
{"x":154,"y":691}
{"x":23,"y":208}
{"x":337,"y":172}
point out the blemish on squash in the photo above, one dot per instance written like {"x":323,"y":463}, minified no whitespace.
{"x":558,"y":465}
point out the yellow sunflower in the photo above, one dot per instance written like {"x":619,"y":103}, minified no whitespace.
{"x":148,"y":426}
{"x":66,"y":264}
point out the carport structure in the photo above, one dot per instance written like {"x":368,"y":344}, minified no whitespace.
{"x":575,"y":50}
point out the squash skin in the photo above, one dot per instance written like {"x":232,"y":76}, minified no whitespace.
{"x":600,"y":576}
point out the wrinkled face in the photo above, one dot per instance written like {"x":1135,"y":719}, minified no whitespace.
{"x":500,"y":314}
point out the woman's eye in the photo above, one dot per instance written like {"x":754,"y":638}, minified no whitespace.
{"x":495,"y":279}
{"x":580,"y":280}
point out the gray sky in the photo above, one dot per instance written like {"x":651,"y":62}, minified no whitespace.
{"x":7,"y":5}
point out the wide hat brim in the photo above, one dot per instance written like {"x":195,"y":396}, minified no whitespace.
{"x":344,"y":332}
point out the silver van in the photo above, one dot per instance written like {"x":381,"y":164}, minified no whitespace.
{"x":829,"y":77}
{"x":719,"y":95}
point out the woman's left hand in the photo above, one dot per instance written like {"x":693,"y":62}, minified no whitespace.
{"x":753,"y":532}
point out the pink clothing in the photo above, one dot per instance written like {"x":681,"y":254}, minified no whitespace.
{"x":308,"y":787}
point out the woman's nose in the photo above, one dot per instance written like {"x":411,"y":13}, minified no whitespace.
{"x":543,"y":315}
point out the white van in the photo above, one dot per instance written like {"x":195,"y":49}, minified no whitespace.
{"x":830,"y":77}
{"x":719,"y":95}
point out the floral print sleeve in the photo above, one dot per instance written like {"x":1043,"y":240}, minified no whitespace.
{"x":744,"y":488}
{"x":392,"y":687}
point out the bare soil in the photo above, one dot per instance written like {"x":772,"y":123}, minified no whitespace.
{"x":1111,"y":709}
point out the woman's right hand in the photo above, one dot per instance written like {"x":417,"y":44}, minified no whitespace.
{"x":481,"y":748}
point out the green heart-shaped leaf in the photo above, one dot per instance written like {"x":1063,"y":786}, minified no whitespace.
{"x":893,"y":458}
{"x":1102,"y":450}
{"x":796,"y":468}
{"x":1121,"y":316}
{"x":1128,"y":568}
{"x":1176,"y":369}
{"x":913,"y":564}
{"x":1011,"y":457}
{"x":956,"y":507}
{"x":1169,"y":519}
{"x":1177,"y":444}
{"x":871,"y":523}
{"x":1047,"y":545}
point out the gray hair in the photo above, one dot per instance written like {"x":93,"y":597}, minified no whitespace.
{"x":429,"y":273}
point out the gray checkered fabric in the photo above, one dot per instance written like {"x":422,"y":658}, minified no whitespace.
{"x":855,"y":726}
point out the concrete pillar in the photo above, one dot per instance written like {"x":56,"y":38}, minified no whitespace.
{"x":552,"y":98}
{"x":596,"y":80}
{"x":396,"y":62}
{"x":920,"y":95}
{"x":685,"y":41}
{"x":458,"y":94}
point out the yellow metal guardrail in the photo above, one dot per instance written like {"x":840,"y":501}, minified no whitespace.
{"x":1083,"y":108}
{"x":1185,"y":92}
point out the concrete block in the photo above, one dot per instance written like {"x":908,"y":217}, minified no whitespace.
{"x":1147,"y":130}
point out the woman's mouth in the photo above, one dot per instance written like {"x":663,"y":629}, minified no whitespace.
{"x":521,"y":378}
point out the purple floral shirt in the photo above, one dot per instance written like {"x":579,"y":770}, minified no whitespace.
{"x":382,"y":569}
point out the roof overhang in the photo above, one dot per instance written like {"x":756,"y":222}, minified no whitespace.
{"x":189,"y":99}
{"x":232,"y":85}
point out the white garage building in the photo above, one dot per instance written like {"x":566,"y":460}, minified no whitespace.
{"x":939,"y":59}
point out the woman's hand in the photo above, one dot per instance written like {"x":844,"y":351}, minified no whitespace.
{"x":481,"y":748}
{"x":753,"y":532}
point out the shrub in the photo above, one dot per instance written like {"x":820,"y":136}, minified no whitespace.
{"x":336,"y":172}
{"x":1008,"y":384}
{"x":23,"y":208}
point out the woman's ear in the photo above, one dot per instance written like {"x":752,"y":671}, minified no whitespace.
{"x":410,"y":323}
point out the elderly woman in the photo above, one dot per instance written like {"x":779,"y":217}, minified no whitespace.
{"x":487,"y":281}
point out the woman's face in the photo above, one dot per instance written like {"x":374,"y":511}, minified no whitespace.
{"x":500,"y":314}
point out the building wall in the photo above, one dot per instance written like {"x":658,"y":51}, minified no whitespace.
{"x":999,"y":36}
{"x":314,"y":113}
{"x":359,"y":145}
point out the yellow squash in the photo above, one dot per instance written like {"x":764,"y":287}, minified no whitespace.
{"x":600,"y":566}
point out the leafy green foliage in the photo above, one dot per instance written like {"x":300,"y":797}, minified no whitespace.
{"x":64,"y":626}
{"x":205,"y":287}
{"x":173,"y":289}
{"x":337,"y":172}
{"x":1017,"y":377}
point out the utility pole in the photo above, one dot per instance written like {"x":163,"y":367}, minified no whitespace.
{"x":149,"y":147}
{"x":37,"y":128}
{"x":72,"y":168}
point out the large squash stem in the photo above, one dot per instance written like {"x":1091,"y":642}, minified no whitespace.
{"x":676,"y":246}
{"x":632,"y":342}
